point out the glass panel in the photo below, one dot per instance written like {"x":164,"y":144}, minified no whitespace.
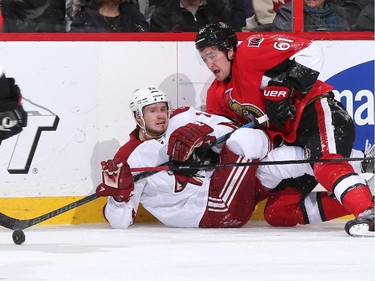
{"x":185,"y":15}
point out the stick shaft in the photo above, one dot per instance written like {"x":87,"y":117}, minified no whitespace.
{"x":14,"y":224}
{"x":183,"y":167}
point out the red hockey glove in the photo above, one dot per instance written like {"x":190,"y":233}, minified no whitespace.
{"x":185,"y":139}
{"x":111,"y":166}
{"x":279,"y":106}
{"x":118,"y":181}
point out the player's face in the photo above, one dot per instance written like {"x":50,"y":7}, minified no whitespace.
{"x":156,"y":117}
{"x":217,"y":62}
{"x":315,"y":3}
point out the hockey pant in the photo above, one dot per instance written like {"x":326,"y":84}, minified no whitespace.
{"x":233,"y":193}
{"x":327,"y":131}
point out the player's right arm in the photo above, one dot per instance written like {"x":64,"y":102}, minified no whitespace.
{"x":136,"y":153}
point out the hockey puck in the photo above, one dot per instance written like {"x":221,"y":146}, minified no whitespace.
{"x":18,"y":237}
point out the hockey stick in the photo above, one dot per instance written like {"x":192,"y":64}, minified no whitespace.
{"x":17,"y":224}
{"x":183,"y":167}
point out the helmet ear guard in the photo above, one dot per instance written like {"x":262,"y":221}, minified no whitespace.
{"x":217,"y":34}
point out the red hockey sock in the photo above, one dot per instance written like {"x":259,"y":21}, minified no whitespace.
{"x":358,"y":199}
{"x":328,"y":173}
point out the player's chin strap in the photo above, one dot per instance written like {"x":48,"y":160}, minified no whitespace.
{"x":16,"y":224}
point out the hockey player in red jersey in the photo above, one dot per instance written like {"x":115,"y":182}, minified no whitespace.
{"x":12,"y":115}
{"x":277,"y":75}
{"x":224,"y":197}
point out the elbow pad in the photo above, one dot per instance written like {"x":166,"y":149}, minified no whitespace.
{"x":301,"y":77}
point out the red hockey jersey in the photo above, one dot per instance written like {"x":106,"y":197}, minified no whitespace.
{"x":259,"y":59}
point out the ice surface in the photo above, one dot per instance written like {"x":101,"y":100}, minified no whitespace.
{"x":154,"y":252}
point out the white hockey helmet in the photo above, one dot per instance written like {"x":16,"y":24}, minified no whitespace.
{"x":146,"y":96}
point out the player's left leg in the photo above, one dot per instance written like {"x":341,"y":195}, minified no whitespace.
{"x":232,"y":193}
{"x":327,"y":132}
{"x":292,"y":203}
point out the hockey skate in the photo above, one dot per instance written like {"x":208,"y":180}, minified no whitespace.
{"x":363,"y":225}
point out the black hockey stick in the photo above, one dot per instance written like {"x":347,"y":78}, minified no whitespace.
{"x":183,"y":166}
{"x":17,"y":224}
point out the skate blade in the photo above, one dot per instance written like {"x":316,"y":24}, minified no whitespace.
{"x":361,"y":230}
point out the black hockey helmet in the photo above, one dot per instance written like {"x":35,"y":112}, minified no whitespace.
{"x":217,"y":34}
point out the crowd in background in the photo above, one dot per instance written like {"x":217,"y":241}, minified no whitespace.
{"x":181,"y":15}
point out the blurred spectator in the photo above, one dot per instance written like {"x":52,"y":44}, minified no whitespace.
{"x":33,"y":15}
{"x":354,"y":8}
{"x":319,"y":15}
{"x":147,"y":7}
{"x":109,"y":16}
{"x":190,"y":15}
{"x":264,"y":14}
{"x":71,"y":7}
{"x":365,"y":21}
{"x":237,"y":14}
{"x":249,"y":10}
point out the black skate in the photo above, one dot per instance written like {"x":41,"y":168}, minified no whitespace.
{"x":363,"y":225}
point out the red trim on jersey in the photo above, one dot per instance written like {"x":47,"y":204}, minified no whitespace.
{"x":179,"y":110}
{"x":125,"y":150}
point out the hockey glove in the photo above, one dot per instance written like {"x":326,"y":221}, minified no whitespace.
{"x":12,"y":115}
{"x":118,"y":181}
{"x":279,"y":105}
{"x":185,"y":139}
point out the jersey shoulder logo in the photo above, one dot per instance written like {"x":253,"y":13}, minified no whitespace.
{"x":255,"y":41}
{"x":246,"y":111}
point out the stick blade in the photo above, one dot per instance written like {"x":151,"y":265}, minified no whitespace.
{"x":8,"y":222}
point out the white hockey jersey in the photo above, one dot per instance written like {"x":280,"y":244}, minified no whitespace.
{"x":175,"y":200}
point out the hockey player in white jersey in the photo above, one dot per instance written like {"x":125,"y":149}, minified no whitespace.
{"x":205,"y":198}
{"x":224,"y":197}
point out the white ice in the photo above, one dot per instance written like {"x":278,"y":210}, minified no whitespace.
{"x":154,"y":252}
